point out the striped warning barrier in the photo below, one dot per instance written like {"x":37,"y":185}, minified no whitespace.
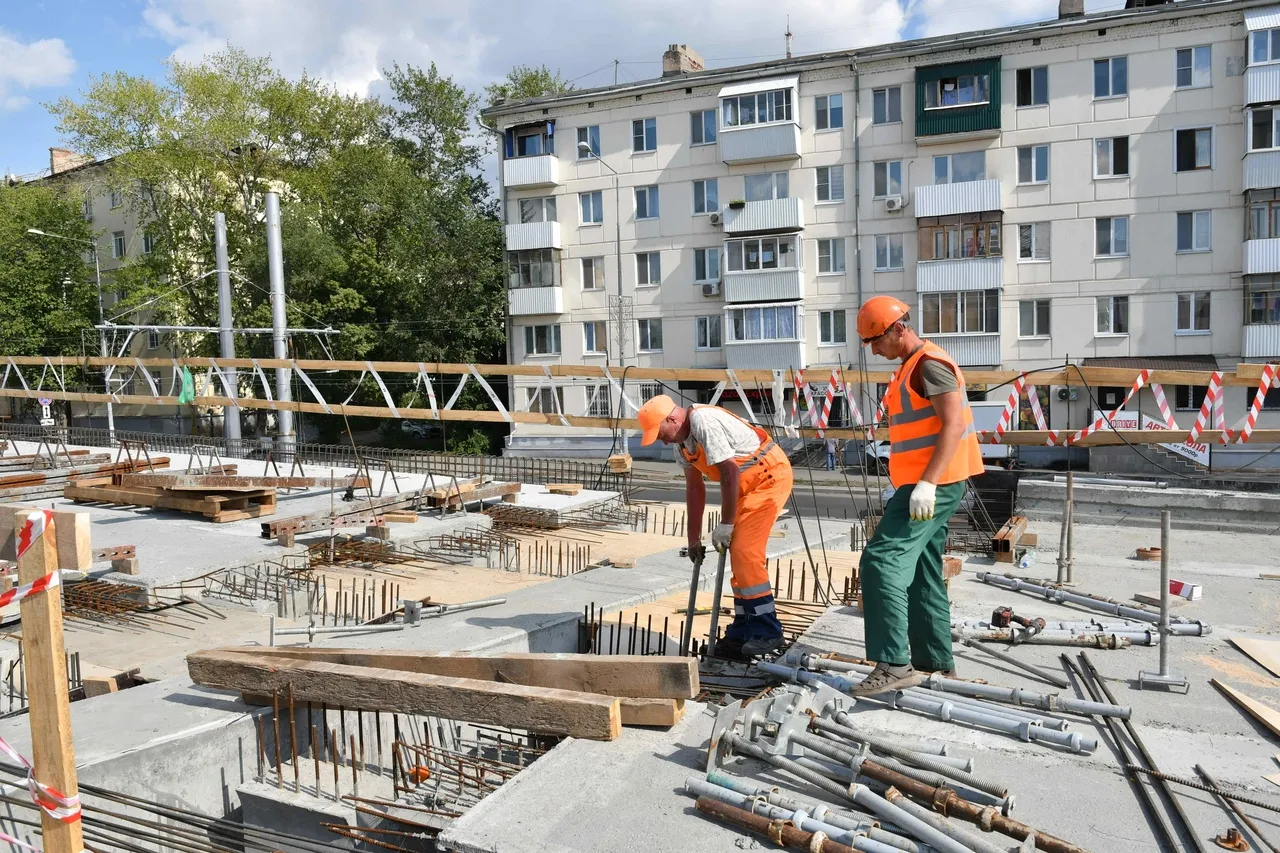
{"x":1143,"y":376}
{"x":1210,"y":407}
{"x":1268,"y":381}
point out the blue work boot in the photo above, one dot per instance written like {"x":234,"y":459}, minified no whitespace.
{"x":755,"y":630}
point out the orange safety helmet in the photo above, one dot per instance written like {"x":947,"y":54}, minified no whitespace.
{"x":879,"y":313}
{"x":651,"y":416}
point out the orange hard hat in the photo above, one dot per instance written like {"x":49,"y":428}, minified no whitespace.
{"x":651,"y":416}
{"x":879,"y":313}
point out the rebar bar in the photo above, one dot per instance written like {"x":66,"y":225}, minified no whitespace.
{"x":1092,"y":602}
{"x":1215,"y":788}
{"x":1239,"y":798}
{"x":1043,"y":675}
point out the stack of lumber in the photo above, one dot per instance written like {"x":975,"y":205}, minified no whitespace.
{"x":217,"y":505}
{"x":620,"y":463}
{"x":469,"y":492}
{"x":585,"y":696}
{"x":32,"y":485}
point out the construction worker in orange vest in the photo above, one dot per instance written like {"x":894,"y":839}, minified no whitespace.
{"x":933,"y":449}
{"x":755,"y":482}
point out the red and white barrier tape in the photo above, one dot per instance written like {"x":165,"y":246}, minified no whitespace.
{"x":1006,"y":416}
{"x":1143,"y":376}
{"x":1033,"y":399}
{"x":1158,"y":390}
{"x":833,"y":387}
{"x":797,"y":379}
{"x":50,"y":800}
{"x":1212,"y":405}
{"x":854,"y":412}
{"x":1269,"y":380}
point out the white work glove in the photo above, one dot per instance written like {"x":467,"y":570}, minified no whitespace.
{"x":924,"y":497}
{"x":721,"y":536}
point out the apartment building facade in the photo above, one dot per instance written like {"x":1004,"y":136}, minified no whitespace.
{"x":1097,"y":189}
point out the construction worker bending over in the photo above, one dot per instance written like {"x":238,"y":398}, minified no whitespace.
{"x":755,"y":482}
{"x":933,"y":449}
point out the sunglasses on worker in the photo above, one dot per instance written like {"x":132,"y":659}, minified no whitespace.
{"x":866,"y":342}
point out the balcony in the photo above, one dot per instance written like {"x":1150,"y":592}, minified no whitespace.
{"x":976,"y":350}
{"x":533,"y":235}
{"x":525,"y":301}
{"x":1262,"y":84}
{"x":1262,"y":257}
{"x":1261,"y":341}
{"x":760,"y":143}
{"x":1262,"y":170}
{"x":763,"y":285}
{"x":961,"y":274}
{"x":759,"y":217}
{"x":973,"y":119}
{"x":952,"y":199}
{"x":520,"y":173}
{"x":764,"y":355}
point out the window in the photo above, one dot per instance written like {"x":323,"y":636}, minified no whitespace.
{"x":1111,"y":157}
{"x":1262,"y":300}
{"x":1112,"y":236}
{"x":966,"y":312}
{"x":117,"y":245}
{"x":1033,"y":241}
{"x":1193,"y":149}
{"x":594,"y":338}
{"x":153,"y":339}
{"x":1189,"y":397}
{"x":148,"y":243}
{"x":702,"y":127}
{"x":960,"y":168}
{"x":706,"y":196}
{"x":599,"y":401}
{"x":1113,"y":315}
{"x":757,"y":108}
{"x":533,"y":268}
{"x":766,"y":323}
{"x":592,"y":207}
{"x":117,"y":199}
{"x":706,"y":265}
{"x":1194,"y":231}
{"x":1193,"y":312}
{"x":1033,"y":86}
{"x":650,"y":335}
{"x":888,"y":178}
{"x":593,"y":273}
{"x":648,"y":269}
{"x":888,"y":252}
{"x":538,"y":209}
{"x":886,"y":105}
{"x":828,"y":112}
{"x":546,"y":401}
{"x":644,"y":134}
{"x":591,"y":136}
{"x":831,"y":183}
{"x":533,"y":141}
{"x":762,"y":253}
{"x":707,"y":332}
{"x":831,"y":327}
{"x":1270,"y":403}
{"x":542,"y":340}
{"x":767,"y":187}
{"x":1033,"y":318}
{"x":1264,"y":220}
{"x":1033,"y":164}
{"x":1266,"y":46}
{"x":1265,"y":132}
{"x":647,"y":202}
{"x":649,"y":390}
{"x":831,"y":256}
{"x":968,"y":235}
{"x":87,"y":207}
{"x":961,"y":91}
{"x":1192,"y":67}
{"x":1111,"y":77}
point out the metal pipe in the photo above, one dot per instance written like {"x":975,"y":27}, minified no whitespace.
{"x":279,"y":320}
{"x":1096,"y":603}
{"x":940,"y":823}
{"x":1166,"y":523}
{"x":1079,"y":639}
{"x":784,"y":835}
{"x":799,"y":817}
{"x":1231,"y":804}
{"x":1062,"y":533}
{"x":226,"y":340}
{"x":1043,"y":675}
{"x":889,"y":747}
{"x":1106,"y":481}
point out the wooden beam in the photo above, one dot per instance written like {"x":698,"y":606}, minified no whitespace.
{"x":73,"y":546}
{"x":44,"y":656}
{"x":218,"y":482}
{"x":651,"y":712}
{"x":536,"y":709}
{"x":631,"y":676}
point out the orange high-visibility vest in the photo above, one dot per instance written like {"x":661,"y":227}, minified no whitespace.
{"x":914,"y":426}
{"x":699,"y":459}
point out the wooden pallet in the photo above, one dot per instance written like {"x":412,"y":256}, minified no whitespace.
{"x":218,"y":507}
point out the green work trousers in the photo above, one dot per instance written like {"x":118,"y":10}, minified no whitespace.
{"x":907,"y":615}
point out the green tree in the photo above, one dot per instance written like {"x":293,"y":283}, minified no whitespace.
{"x":527,"y":81}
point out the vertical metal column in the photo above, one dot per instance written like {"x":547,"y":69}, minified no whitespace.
{"x":1164,"y":677}
{"x":231,"y":415}
{"x":279,"y":337}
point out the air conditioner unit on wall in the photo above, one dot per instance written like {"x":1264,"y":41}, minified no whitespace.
{"x":712,"y":289}
{"x":714,"y":219}
{"x":894,"y":202}
{"x":1068,"y":394}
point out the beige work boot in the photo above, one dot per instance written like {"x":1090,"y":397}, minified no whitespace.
{"x":888,"y":677}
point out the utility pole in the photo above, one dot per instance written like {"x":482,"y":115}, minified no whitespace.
{"x":788,"y":36}
{"x":231,"y":414}
{"x":279,"y":334}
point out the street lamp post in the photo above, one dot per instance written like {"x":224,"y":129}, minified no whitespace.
{"x":102,"y":332}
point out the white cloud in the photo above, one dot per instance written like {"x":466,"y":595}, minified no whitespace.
{"x":31,"y":65}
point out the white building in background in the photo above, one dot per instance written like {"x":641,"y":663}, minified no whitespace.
{"x":1099,"y":188}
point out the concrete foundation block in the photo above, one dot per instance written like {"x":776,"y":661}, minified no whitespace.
{"x":126,"y":566}
{"x":286,"y":538}
{"x":378,"y":531}
{"x":298,"y":815}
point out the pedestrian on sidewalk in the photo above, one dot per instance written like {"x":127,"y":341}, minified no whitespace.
{"x":831,"y":454}
{"x":933,"y":450}
{"x":755,"y":482}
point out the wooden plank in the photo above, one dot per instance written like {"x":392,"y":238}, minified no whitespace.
{"x":630,"y":676}
{"x":229,"y":482}
{"x":537,"y":709}
{"x":1266,"y":653}
{"x":1269,"y":717}
{"x":75,"y":547}
{"x":651,"y":712}
{"x":480,"y":493}
{"x":44,"y":656}
{"x":564,"y":488}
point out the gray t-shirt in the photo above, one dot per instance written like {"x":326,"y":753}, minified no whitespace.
{"x":931,"y":378}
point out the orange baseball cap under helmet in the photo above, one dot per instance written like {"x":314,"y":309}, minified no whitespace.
{"x":651,"y":416}
{"x":879,"y":313}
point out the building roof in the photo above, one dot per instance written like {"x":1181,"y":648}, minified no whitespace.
{"x":976,"y":38}
{"x":1155,"y":362}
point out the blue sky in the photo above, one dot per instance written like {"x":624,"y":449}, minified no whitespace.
{"x":52,"y":48}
